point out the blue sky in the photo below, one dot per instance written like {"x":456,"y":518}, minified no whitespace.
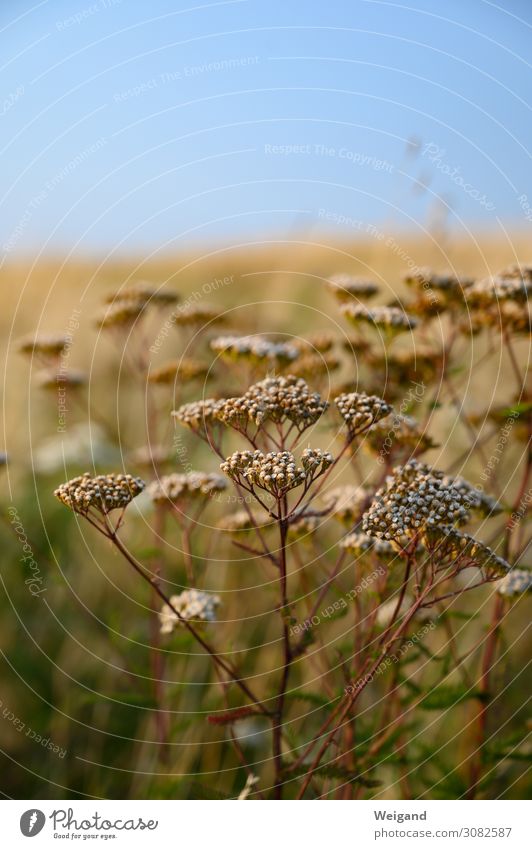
{"x":149,"y":126}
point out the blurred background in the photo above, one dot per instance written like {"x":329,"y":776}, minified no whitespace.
{"x":268,"y":145}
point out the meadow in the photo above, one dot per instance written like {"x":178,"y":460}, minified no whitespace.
{"x":335,"y":461}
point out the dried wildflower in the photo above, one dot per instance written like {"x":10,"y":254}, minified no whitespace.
{"x":276,"y":472}
{"x":344,"y":287}
{"x":177,"y":487}
{"x":192,"y":605}
{"x":358,"y":543}
{"x":198,"y":415}
{"x":346,"y":503}
{"x":459,"y":548}
{"x":516,"y":582}
{"x":255,"y":349}
{"x":475,"y":499}
{"x":48,"y":346}
{"x":71,"y":379}
{"x":396,"y":434}
{"x":413,"y":498}
{"x":276,"y":399}
{"x":320,"y":342}
{"x":502,"y":287}
{"x":359,"y":411}
{"x":392,"y":319}
{"x":442,"y":290}
{"x":101,"y":492}
{"x":198,"y":314}
{"x":3,"y":458}
{"x":143,"y":292}
{"x":315,"y":461}
{"x":186,"y":369}
{"x":121,"y":314}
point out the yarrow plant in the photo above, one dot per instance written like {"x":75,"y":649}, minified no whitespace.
{"x":298,"y":485}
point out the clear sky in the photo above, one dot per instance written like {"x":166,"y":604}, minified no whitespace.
{"x":146,"y":126}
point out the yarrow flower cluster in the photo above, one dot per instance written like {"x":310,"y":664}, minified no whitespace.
{"x":184,"y":369}
{"x":516,"y":582}
{"x":176,"y":487}
{"x":48,"y":346}
{"x":254,"y":348}
{"x":198,"y":415}
{"x":391,"y":319}
{"x":276,"y":472}
{"x":197,"y":314}
{"x":144,"y":294}
{"x":412,"y":499}
{"x":458,"y":547}
{"x":192,"y":605}
{"x":359,"y":411}
{"x":360,"y":543}
{"x":275,"y":399}
{"x":475,"y":499}
{"x":345,"y":287}
{"x":101,"y":492}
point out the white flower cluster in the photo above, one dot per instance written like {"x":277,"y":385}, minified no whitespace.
{"x":192,"y":605}
{"x":516,"y":582}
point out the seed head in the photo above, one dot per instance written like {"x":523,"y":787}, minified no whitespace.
{"x":121,"y":314}
{"x":180,"y":487}
{"x":101,"y":492}
{"x":143,"y":292}
{"x":275,"y":472}
{"x":345,"y":287}
{"x":459,"y":547}
{"x":254,"y":349}
{"x":413,"y":498}
{"x":198,"y":315}
{"x":392,"y":319}
{"x":359,"y":411}
{"x":276,"y":399}
{"x":48,"y":346}
{"x":185,"y":369}
{"x":198,"y":415}
{"x":396,"y":433}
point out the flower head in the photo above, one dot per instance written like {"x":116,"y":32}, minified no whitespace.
{"x":359,"y":543}
{"x":142,"y":292}
{"x":412,"y":499}
{"x":100,"y":492}
{"x":198,"y":415}
{"x":192,"y":605}
{"x":345,"y":287}
{"x":178,"y":487}
{"x":185,"y":369}
{"x":275,"y":472}
{"x":276,"y":399}
{"x":516,"y":582}
{"x":198,"y":314}
{"x":391,"y":319}
{"x":255,"y":349}
{"x":48,"y":346}
{"x":359,"y":411}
